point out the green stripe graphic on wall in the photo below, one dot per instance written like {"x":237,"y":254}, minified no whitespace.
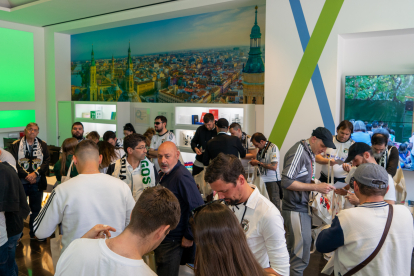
{"x":16,"y":118}
{"x":16,"y":66}
{"x":305,"y":70}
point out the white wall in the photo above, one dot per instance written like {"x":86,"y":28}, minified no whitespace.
{"x":39,"y":75}
{"x":372,"y":53}
{"x":284,"y":53}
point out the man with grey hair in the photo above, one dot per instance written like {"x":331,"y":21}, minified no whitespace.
{"x":32,"y":156}
{"x":356,"y":233}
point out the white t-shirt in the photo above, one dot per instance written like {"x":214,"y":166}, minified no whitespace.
{"x":6,"y":156}
{"x":265,"y":232}
{"x":156,"y":142}
{"x":390,"y":195}
{"x":85,"y":257}
{"x":271,"y":156}
{"x":82,"y":202}
{"x":339,"y":154}
{"x":3,"y":230}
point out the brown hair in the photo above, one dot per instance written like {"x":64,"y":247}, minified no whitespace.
{"x":68,"y":148}
{"x":132,"y":141}
{"x":108,"y":153}
{"x":155,"y":207}
{"x":86,"y":149}
{"x":222,"y":248}
{"x":345,"y":125}
{"x":148,"y":135}
{"x":226,"y":167}
{"x":93,"y":135}
{"x":371,"y":191}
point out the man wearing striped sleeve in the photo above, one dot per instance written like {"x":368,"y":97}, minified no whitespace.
{"x":298,"y":180}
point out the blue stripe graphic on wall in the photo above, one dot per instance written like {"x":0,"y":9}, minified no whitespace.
{"x":317,"y":81}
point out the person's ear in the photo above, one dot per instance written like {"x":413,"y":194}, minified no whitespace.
{"x":129,"y":150}
{"x":75,"y":160}
{"x":356,"y":188}
{"x":241,"y":180}
{"x":100,"y":159}
{"x":161,"y":232}
{"x":178,"y":155}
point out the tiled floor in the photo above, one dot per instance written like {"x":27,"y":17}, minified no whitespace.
{"x":33,"y":257}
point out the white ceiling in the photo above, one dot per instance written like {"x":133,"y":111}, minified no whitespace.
{"x":57,"y":11}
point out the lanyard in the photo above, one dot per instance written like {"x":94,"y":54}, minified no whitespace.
{"x":312,"y":160}
{"x":244,"y":222}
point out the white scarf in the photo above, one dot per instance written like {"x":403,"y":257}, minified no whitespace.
{"x":147,"y":175}
{"x":25,"y":161}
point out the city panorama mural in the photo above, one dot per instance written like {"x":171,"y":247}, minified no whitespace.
{"x":206,"y":58}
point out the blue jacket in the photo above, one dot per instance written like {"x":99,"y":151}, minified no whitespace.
{"x":181,"y":183}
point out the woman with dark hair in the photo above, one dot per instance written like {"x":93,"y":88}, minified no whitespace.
{"x":221,"y":245}
{"x":336,"y":157}
{"x":62,"y":166}
{"x":128,"y":129}
{"x":109,"y":155}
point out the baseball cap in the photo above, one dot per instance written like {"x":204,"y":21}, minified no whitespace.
{"x":355,"y":149}
{"x":371,"y":175}
{"x":325,"y":135}
{"x":222,"y":123}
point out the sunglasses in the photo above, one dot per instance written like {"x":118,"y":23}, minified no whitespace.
{"x":157,"y":123}
{"x":201,"y":207}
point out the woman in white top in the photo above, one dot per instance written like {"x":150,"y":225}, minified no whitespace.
{"x":337,"y":156}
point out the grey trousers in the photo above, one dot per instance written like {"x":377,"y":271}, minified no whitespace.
{"x":298,"y":240}
{"x":274,"y":193}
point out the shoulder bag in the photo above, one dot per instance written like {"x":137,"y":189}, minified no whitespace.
{"x":379,"y":246}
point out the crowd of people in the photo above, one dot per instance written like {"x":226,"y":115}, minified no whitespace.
{"x":116,"y":200}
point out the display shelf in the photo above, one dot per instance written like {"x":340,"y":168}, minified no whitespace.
{"x":186,"y":150}
{"x":183,"y":114}
{"x":97,"y":121}
{"x":109,"y":120}
{"x":105,"y":108}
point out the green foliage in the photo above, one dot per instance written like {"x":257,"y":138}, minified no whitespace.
{"x":379,"y":87}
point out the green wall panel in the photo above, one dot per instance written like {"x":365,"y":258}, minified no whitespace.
{"x":16,"y":118}
{"x":17,"y":83}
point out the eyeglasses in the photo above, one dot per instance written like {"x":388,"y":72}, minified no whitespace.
{"x":141,"y":148}
{"x":199,"y":208}
{"x":157,"y":123}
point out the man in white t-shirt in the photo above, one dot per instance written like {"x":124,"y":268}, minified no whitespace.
{"x":163,"y":135}
{"x":259,"y":218}
{"x":134,"y":169}
{"x":355,"y":233}
{"x":251,"y":151}
{"x":122,"y":255}
{"x":267,"y":160}
{"x":85,"y":200}
{"x":361,"y":153}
